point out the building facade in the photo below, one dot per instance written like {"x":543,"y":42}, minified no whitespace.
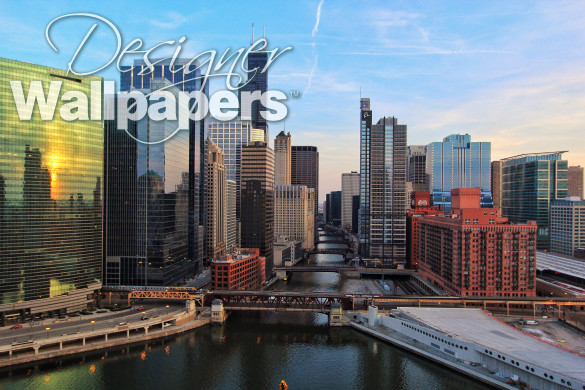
{"x":231,"y":225}
{"x":216,"y":193}
{"x":242,"y":270}
{"x":350,"y":187}
{"x":282,"y":159}
{"x":420,"y":205}
{"x":305,"y":170}
{"x":576,"y":181}
{"x":257,"y":218}
{"x":474,"y":251}
{"x":50,"y":201}
{"x":456,"y":162}
{"x":153,"y":204}
{"x":287,"y":252}
{"x":496,"y":183}
{"x":530,"y":182}
{"x":334,"y":200}
{"x":294,"y":214}
{"x":231,"y":137}
{"x":416,"y":159}
{"x":567,"y":226}
{"x":382,"y":230}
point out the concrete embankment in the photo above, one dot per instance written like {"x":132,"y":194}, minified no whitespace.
{"x":91,"y":341}
{"x":408,"y":346}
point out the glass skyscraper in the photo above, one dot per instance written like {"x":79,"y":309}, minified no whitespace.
{"x":50,"y":201}
{"x":382,"y":230}
{"x":458,"y":163}
{"x":155,"y":193}
{"x":530,"y":182}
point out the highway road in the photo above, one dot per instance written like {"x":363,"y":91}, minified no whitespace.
{"x":82,"y":323}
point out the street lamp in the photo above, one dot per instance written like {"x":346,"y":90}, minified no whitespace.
{"x":167,"y":309}
{"x":47,"y":329}
{"x":92,"y":325}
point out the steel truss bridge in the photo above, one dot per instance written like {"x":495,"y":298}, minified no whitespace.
{"x":341,"y":269}
{"x":280,"y":301}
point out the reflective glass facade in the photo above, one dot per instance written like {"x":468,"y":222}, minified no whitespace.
{"x":50,"y":197}
{"x":382,"y":230}
{"x":458,"y":163}
{"x":153,"y":205}
{"x":529,"y":184}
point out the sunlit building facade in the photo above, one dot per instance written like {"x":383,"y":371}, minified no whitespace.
{"x":50,"y":201}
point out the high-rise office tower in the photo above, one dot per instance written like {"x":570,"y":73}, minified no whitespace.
{"x":496,"y":183}
{"x":382,"y":230}
{"x":355,"y":213}
{"x":567,"y":225}
{"x":231,"y":137}
{"x":530,"y":182}
{"x":282,"y":159}
{"x":294,"y":214}
{"x":231,"y":234}
{"x":305,"y":170}
{"x":257,"y":81}
{"x":334,"y":200}
{"x":153,"y":206}
{"x":50,"y":201}
{"x":216,"y":214}
{"x":576,"y":181}
{"x":185,"y":76}
{"x":416,"y":160}
{"x":456,"y":162}
{"x":257,"y":193}
{"x":350,"y":186}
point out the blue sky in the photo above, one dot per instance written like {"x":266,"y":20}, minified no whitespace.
{"x":512,"y":73}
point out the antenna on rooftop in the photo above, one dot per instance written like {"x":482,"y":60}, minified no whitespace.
{"x":252,"y":41}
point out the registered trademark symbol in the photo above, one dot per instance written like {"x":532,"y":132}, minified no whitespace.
{"x":295,"y":94}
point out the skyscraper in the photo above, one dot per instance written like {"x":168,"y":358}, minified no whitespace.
{"x":417,"y":160}
{"x":458,"y":163}
{"x":530,"y":182}
{"x":567,"y":225}
{"x":257,"y":216}
{"x":496,"y":183}
{"x":216,"y":202}
{"x":153,"y":201}
{"x":231,"y":137}
{"x":382,"y":230}
{"x":282,"y":159}
{"x":305,"y":170}
{"x":231,"y":234}
{"x":257,"y":81}
{"x":50,"y":201}
{"x":334,"y":208}
{"x":350,"y":186}
{"x":576,"y":181}
{"x":294,"y":214}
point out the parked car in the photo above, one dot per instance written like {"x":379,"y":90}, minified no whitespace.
{"x":16,"y":327}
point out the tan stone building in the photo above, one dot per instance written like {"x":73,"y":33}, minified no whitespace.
{"x":216,"y":215}
{"x":295,"y":214}
{"x":282,"y":159}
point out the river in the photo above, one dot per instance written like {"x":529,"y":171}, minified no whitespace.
{"x":251,"y":351}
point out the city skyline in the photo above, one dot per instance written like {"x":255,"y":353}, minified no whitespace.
{"x":443,"y":69}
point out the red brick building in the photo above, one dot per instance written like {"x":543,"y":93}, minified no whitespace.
{"x":245,"y":269}
{"x":475,"y":251}
{"x":420,"y":203}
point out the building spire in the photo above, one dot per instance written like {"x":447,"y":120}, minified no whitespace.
{"x":252,"y":41}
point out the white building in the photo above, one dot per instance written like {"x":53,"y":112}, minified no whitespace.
{"x":567,"y":226}
{"x":294,"y":214}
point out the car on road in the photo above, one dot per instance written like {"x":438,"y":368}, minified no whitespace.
{"x":16,"y":327}
{"x":123,"y":323}
{"x":145,"y":317}
{"x":140,"y":308}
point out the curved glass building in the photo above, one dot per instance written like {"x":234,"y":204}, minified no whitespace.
{"x":50,"y":199}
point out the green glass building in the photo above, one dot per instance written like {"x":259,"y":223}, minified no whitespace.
{"x":530,"y":183}
{"x":50,"y":200}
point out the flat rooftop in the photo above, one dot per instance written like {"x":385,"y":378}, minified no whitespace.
{"x":475,"y":326}
{"x":546,"y":261}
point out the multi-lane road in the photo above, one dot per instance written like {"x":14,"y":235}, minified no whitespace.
{"x":82,"y":323}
